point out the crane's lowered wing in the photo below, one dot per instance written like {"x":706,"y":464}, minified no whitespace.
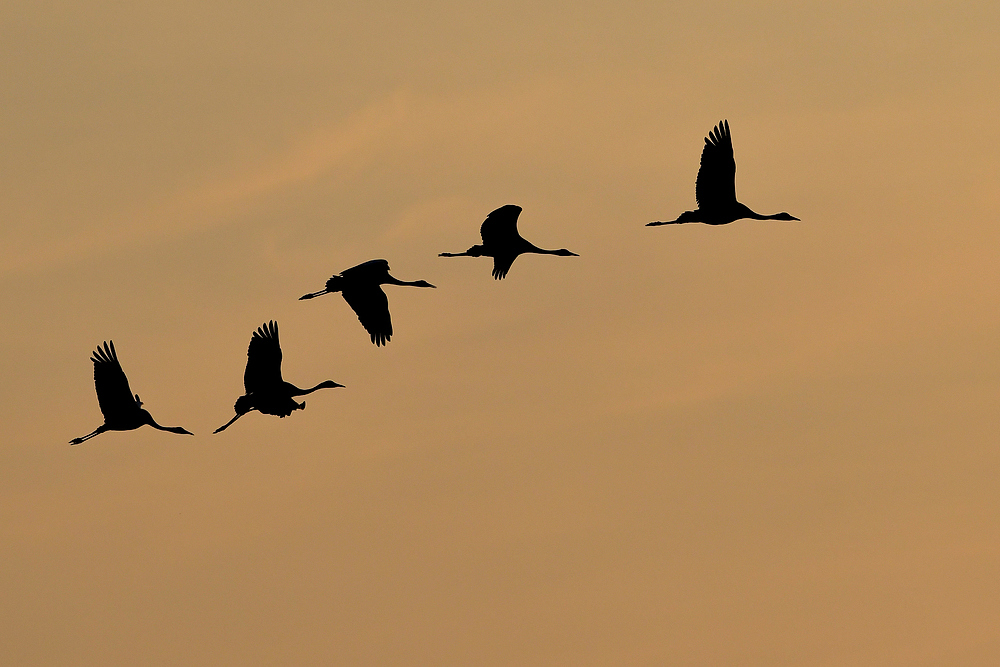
{"x":501,"y":265}
{"x":372,"y":308}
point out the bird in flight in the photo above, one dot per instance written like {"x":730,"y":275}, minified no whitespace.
{"x":360,"y":287}
{"x":266,"y":391}
{"x":503,"y":243}
{"x":715,"y":189}
{"x":121,"y":408}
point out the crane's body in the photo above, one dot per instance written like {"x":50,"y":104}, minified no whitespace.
{"x":266,"y":391}
{"x":361,"y":288}
{"x":715,"y":189}
{"x":503,"y":242}
{"x":121,"y":408}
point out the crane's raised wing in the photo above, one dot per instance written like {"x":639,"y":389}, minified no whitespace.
{"x":113,"y":393}
{"x":716,"y":185}
{"x":500,"y":226}
{"x":372,"y":308}
{"x":373,"y":270}
{"x":263,"y":371}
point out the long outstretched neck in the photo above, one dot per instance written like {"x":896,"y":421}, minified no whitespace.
{"x":97,"y":431}
{"x":474,"y":251}
{"x":389,"y":280}
{"x":328,"y":384}
{"x":562,"y":252}
{"x":168,"y":429}
{"x":746,"y":212}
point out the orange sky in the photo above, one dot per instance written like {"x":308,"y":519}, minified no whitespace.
{"x":761,"y":444}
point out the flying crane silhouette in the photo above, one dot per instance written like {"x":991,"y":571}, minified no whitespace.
{"x":121,"y":408}
{"x":360,"y":287}
{"x":266,"y":391}
{"x":715,"y":189}
{"x":503,"y":243}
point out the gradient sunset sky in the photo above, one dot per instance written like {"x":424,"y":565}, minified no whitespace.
{"x":764,"y":444}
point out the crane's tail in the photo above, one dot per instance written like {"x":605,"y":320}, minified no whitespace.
{"x":228,"y":423}
{"x":314,"y":294}
{"x":686,"y":216}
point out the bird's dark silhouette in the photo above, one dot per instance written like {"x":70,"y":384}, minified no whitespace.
{"x":266,"y":391}
{"x":503,"y":243}
{"x":715,"y":189}
{"x":121,"y":408}
{"x":360,"y":286}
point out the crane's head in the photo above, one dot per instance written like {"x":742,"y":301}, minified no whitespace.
{"x":562,"y":252}
{"x":784,"y":216}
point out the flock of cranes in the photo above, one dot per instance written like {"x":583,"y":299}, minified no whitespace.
{"x":361,"y":287}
